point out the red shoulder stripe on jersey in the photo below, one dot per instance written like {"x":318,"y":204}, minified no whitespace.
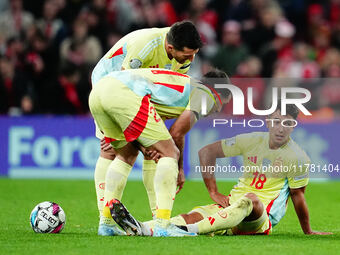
{"x":168,"y":72}
{"x":137,"y":125}
{"x":179,"y":88}
{"x":117,"y":52}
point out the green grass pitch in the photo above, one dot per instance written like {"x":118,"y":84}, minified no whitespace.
{"x":77,"y":198}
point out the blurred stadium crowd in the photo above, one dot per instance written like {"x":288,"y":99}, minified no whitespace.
{"x":49,"y":47}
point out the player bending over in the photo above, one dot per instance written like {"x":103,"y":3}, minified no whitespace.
{"x":172,"y":48}
{"x":259,"y":200}
{"x":133,"y":111}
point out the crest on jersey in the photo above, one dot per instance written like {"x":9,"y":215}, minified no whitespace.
{"x":135,"y":63}
{"x":168,"y":66}
{"x":223,"y":214}
{"x":253,"y":159}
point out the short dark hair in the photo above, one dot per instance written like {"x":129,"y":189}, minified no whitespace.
{"x":217,"y":76}
{"x":184,"y":34}
{"x":291,"y":109}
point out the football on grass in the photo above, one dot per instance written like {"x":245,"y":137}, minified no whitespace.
{"x":47,"y":217}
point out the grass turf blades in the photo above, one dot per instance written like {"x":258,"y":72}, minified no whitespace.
{"x":18,"y":198}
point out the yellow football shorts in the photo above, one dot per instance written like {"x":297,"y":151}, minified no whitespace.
{"x":123,"y":116}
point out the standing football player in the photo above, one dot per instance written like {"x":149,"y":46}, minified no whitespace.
{"x":172,"y":48}
{"x":132,"y":112}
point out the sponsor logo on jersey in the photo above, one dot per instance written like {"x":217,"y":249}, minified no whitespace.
{"x":168,"y":66}
{"x":156,"y":66}
{"x":135,"y":63}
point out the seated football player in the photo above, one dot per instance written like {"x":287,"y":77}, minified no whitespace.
{"x":259,"y":200}
{"x":132,"y":112}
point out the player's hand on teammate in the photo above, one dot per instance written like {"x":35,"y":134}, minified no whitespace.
{"x":107,"y":149}
{"x":105,"y":146}
{"x":220,"y":199}
{"x":152,"y":155}
{"x":180,"y":180}
{"x":319,"y":233}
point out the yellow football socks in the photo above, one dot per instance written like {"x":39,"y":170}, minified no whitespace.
{"x":99,"y":180}
{"x":178,"y":220}
{"x":165,"y":186}
{"x":115,"y":182}
{"x":224,"y":219}
{"x":149,"y":170}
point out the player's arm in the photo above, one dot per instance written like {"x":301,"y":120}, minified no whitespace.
{"x":178,"y":131}
{"x":301,"y":209}
{"x":229,"y":147}
{"x":297,"y":182}
{"x":207,"y":156}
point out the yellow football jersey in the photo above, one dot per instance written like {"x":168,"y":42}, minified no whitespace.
{"x":171,"y":92}
{"x":267,"y":173}
{"x":145,"y":48}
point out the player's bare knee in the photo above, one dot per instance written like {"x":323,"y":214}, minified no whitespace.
{"x":127,"y":154}
{"x":256,"y":201}
{"x":166,"y":148}
{"x":257,"y":205}
{"x":173,"y":152}
{"x":131,"y":158}
{"x":251,"y":196}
